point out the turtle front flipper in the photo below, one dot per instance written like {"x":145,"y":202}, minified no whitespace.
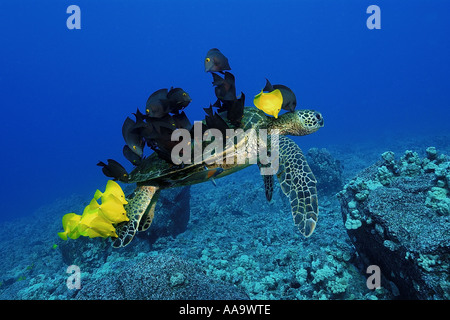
{"x":299,"y":185}
{"x":138,"y":206}
{"x":147,"y":218}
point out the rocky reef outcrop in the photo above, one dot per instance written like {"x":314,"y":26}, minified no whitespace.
{"x":173,"y":213}
{"x":397,"y":214}
{"x":326,"y":169}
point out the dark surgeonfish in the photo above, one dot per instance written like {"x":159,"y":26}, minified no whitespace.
{"x":132,"y":136}
{"x":164,"y":122}
{"x":114,"y":170}
{"x":225,"y":87}
{"x":215,"y":61}
{"x":178,"y":99}
{"x":289,"y":99}
{"x":140,"y":117}
{"x":215,"y":121}
{"x":157,"y":104}
{"x":160,"y":137}
{"x":163,"y":102}
{"x":182,"y":121}
{"x":131,"y":156}
{"x":233,"y":108}
{"x":162,"y":144}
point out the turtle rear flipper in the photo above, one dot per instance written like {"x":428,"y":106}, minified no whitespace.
{"x":138,"y":206}
{"x":268,"y":186}
{"x":299,"y":184}
{"x":269,"y":182}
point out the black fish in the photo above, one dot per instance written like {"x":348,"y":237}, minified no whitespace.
{"x":182,"y":121}
{"x":163,"y":101}
{"x":131,"y":156}
{"x":178,"y":99}
{"x":215,"y":121}
{"x":289,"y":99}
{"x":132,"y":137}
{"x":157,"y":104}
{"x":209,"y":111}
{"x":235,"y":110}
{"x":215,"y":61}
{"x":225,"y":87}
{"x":114,"y":170}
{"x":164,"y":122}
{"x":145,"y":130}
{"x":163,"y":144}
{"x":161,"y":138}
{"x":140,"y":117}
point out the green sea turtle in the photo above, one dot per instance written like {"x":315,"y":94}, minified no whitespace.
{"x":296,"y":179}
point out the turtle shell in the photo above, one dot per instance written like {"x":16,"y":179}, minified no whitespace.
{"x":158,"y":172}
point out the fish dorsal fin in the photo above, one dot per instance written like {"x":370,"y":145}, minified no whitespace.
{"x":268,"y":87}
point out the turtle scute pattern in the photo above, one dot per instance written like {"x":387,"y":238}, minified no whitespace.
{"x":299,"y":184}
{"x":147,"y":219}
{"x":135,"y":209}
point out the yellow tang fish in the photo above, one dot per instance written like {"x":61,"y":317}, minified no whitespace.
{"x":93,"y":225}
{"x":113,"y":188}
{"x":70,"y":223}
{"x":97,"y":219}
{"x":270,"y":102}
{"x":111,"y":208}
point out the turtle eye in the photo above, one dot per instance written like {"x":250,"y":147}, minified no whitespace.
{"x":184,"y":94}
{"x":207,"y":60}
{"x":319,"y":118}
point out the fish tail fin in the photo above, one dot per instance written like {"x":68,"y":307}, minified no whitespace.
{"x":70,"y":224}
{"x":63,"y":235}
{"x":98,"y":194}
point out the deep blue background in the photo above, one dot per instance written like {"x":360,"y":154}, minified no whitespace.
{"x":64,"y":94}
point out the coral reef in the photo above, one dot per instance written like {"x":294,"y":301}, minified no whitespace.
{"x":160,"y":277}
{"x":396,"y":213}
{"x":327,"y":170}
{"x":231,"y":236}
{"x":255,"y":248}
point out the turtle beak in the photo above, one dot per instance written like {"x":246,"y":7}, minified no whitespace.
{"x":319,"y":118}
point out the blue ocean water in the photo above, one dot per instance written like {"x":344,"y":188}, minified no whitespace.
{"x":64,"y":94}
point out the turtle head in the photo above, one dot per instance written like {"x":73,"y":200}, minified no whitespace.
{"x":298,"y":123}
